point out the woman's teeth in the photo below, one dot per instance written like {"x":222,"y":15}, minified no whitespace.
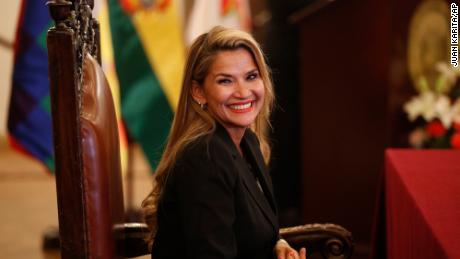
{"x":241,"y":106}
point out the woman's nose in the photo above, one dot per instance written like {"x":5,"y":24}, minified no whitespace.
{"x":242,"y":90}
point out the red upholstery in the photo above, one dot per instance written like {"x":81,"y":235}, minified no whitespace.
{"x":101,"y":161}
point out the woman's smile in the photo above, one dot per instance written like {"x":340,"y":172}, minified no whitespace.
{"x":241,"y":107}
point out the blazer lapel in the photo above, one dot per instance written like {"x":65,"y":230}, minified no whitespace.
{"x":254,"y":191}
{"x":262,"y":171}
{"x":267,"y":207}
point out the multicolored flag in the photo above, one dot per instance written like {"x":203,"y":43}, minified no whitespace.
{"x":29,"y":119}
{"x":149,"y":57}
{"x":209,"y":13}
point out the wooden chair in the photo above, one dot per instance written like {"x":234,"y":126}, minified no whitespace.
{"x":88,"y":178}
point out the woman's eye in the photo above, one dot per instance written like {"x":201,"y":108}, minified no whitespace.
{"x":224,"y":81}
{"x":252,"y":76}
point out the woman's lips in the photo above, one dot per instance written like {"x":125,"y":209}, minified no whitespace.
{"x":241,"y":107}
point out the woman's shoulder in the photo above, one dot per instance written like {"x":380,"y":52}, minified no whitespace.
{"x":215,"y":146}
{"x":203,"y":159}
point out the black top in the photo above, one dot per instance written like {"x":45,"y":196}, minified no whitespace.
{"x":212,"y":207}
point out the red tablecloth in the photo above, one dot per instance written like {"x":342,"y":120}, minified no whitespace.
{"x":422,"y":203}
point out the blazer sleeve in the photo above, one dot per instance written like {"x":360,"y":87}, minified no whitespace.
{"x":206,"y":205}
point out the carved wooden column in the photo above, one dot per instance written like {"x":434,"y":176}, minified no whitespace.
{"x":72,"y":36}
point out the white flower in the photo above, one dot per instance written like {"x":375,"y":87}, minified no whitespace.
{"x":421,"y":105}
{"x":430,"y":106}
{"x":443,"y":110}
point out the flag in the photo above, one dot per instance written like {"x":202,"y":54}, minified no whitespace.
{"x":209,"y":13}
{"x":29,"y":116}
{"x":149,"y":57}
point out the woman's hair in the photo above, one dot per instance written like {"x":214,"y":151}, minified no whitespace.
{"x":191,"y":122}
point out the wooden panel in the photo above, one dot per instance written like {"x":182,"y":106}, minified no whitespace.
{"x":344,"y":53}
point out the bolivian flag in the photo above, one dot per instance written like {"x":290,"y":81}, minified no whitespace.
{"x":149,"y":57}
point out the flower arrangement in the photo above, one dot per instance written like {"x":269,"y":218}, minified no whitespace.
{"x":436,"y":111}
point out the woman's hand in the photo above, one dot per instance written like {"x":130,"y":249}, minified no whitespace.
{"x":284,"y":251}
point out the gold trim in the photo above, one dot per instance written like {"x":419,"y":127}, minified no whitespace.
{"x":428,"y":43}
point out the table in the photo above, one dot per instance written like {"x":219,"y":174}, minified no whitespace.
{"x":422,"y":203}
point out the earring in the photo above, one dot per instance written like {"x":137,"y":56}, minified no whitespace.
{"x":202,"y":105}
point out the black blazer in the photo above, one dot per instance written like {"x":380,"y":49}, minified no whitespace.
{"x":212,"y":206}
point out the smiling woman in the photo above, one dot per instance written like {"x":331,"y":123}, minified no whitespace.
{"x":213,"y":196}
{"x":232,"y":91}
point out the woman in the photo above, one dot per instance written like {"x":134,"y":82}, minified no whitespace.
{"x":212,"y":196}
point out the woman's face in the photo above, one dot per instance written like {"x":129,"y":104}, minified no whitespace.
{"x":233,"y":89}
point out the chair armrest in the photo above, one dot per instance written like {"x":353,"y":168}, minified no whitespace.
{"x":329,"y":240}
{"x":130,"y":239}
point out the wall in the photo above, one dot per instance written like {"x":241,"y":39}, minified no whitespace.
{"x":354,"y":80}
{"x":344,"y":89}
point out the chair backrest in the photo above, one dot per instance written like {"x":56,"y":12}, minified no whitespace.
{"x":86,"y":144}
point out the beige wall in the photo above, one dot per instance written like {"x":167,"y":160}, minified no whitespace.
{"x":8,"y":13}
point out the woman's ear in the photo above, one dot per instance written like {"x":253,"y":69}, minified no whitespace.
{"x":197,"y":93}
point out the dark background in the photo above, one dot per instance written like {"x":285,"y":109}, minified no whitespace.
{"x":341,"y":79}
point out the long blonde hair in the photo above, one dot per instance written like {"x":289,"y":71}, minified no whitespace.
{"x":191,"y":121}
